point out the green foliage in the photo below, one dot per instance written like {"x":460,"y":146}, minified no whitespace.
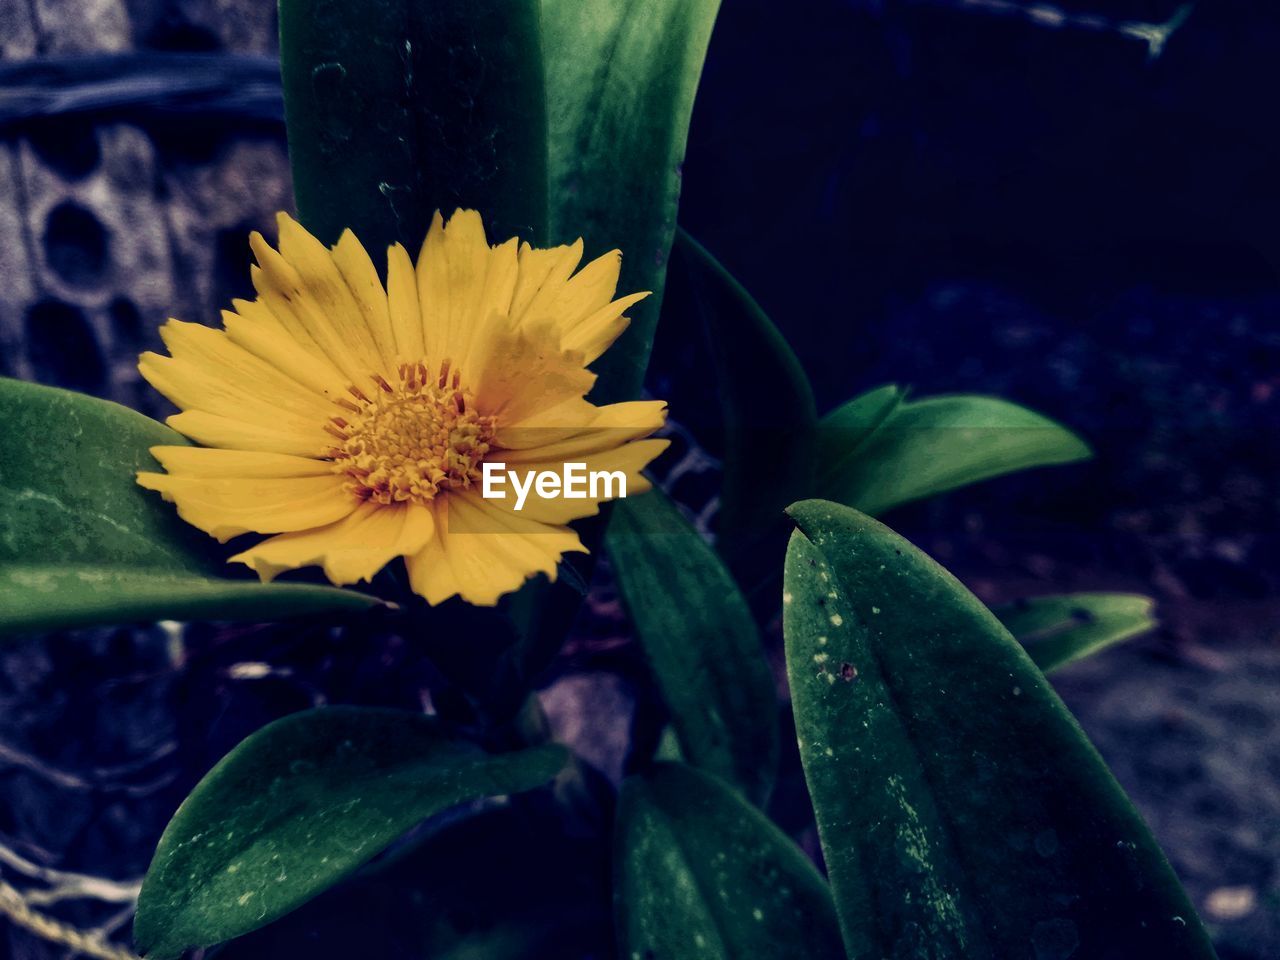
{"x":701,"y":874}
{"x":397,"y":108}
{"x":701,"y":642}
{"x":506,"y":882}
{"x":1062,"y":629}
{"x":846,"y":428}
{"x":766,"y":403}
{"x":301,"y":804}
{"x":962,"y":812}
{"x":81,"y":543}
{"x":882,"y":450}
{"x":621,"y":79}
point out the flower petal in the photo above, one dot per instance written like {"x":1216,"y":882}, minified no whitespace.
{"x":628,"y":460}
{"x":554,"y":435}
{"x":594,"y":334}
{"x":543,"y":274}
{"x":402,"y":302}
{"x":212,"y":462}
{"x":306,"y":292}
{"x":208,"y":371}
{"x":227,"y":507}
{"x":481,"y":552}
{"x":355,"y":548}
{"x":214,"y":430}
{"x":490,"y":322}
{"x":361,"y":278}
{"x":253,"y":326}
{"x":451,"y":272}
{"x":464,"y":289}
{"x":526,"y":373}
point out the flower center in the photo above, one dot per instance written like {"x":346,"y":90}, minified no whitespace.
{"x":411,"y":440}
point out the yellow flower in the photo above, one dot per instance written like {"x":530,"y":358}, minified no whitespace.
{"x":354,"y":421}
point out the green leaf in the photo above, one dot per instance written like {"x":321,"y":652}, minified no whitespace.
{"x":300,"y":805}
{"x":430,"y":898}
{"x":396,"y":108}
{"x":766,"y":403}
{"x":41,"y":599}
{"x":844,"y":430}
{"x":701,"y":642}
{"x":916,"y":449}
{"x":962,"y":812}
{"x":1059,"y":630}
{"x":621,"y":79}
{"x":702,"y":874}
{"x":81,"y":543}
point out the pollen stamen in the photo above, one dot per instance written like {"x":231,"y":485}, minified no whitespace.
{"x":415,"y":439}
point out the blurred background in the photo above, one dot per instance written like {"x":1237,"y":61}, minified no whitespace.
{"x":1070,"y":205}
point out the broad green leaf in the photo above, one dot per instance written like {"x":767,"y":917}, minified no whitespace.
{"x":962,"y":812}
{"x":700,"y":640}
{"x":766,"y":403}
{"x":843,"y":431}
{"x":621,"y":79}
{"x":920,"y":448}
{"x":300,"y":805}
{"x":41,"y":599}
{"x":1059,"y":630}
{"x":396,"y":108}
{"x":514,"y":881}
{"x":81,"y":543}
{"x":701,"y":874}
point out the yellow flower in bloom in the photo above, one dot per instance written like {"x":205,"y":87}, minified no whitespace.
{"x":353,"y":421}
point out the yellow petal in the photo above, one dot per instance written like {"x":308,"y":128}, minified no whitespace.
{"x":628,"y":460}
{"x":213,"y":430}
{"x":282,"y":310}
{"x":595,"y":333}
{"x":491,"y":320}
{"x":211,"y":462}
{"x":208,"y":371}
{"x":543,"y":274}
{"x":253,"y":326}
{"x":591,"y":287}
{"x":554,"y":436}
{"x":402,"y":301}
{"x":303,"y":288}
{"x":527,"y":373}
{"x":464,"y":288}
{"x":328,"y":300}
{"x":430,"y":575}
{"x":481,"y":552}
{"x":362,"y":280}
{"x":432,"y":278}
{"x":355,"y":548}
{"x":564,"y":302}
{"x":227,"y":507}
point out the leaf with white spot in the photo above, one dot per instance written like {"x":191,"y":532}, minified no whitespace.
{"x":703,"y":875}
{"x":301,"y":804}
{"x":962,"y":812}
{"x":81,"y":543}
